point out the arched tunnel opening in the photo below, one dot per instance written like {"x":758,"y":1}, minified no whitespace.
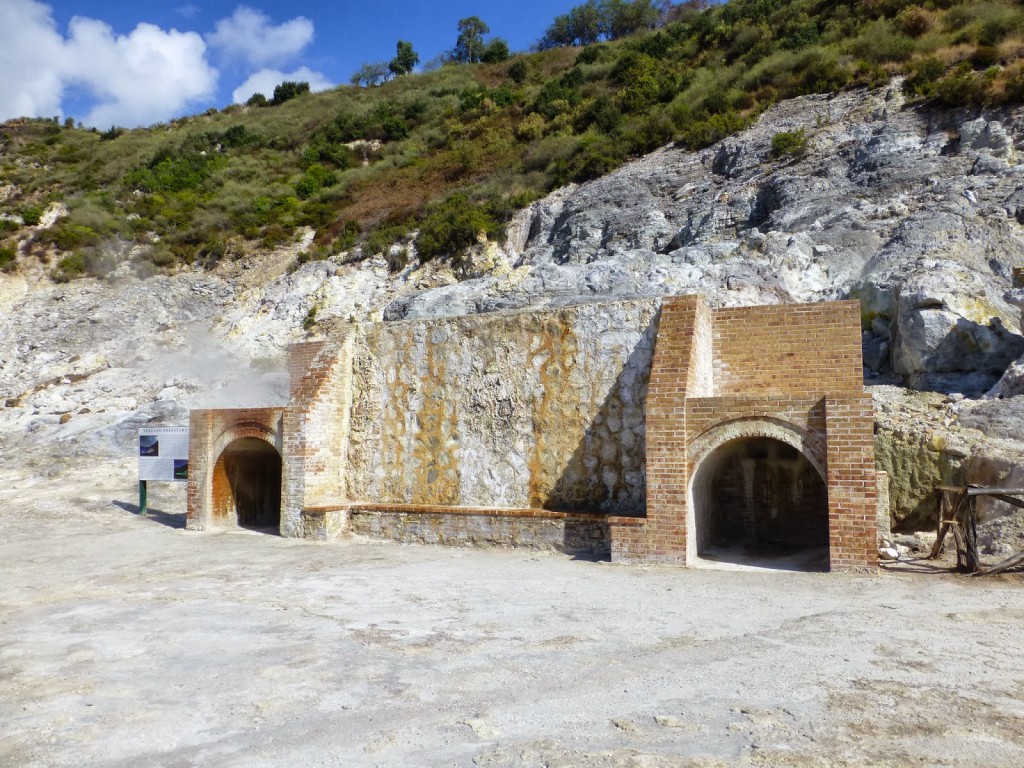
{"x":759,"y":501}
{"x":247,"y":485}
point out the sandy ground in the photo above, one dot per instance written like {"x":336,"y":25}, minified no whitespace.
{"x":131,"y":642}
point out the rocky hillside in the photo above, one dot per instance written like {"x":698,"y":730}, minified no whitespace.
{"x":914,"y":209}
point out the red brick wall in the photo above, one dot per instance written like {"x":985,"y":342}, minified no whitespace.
{"x":770,"y":370}
{"x":681,"y":360}
{"x":315,"y":426}
{"x":793,"y":348}
{"x":300,"y":360}
{"x":805,"y":415}
{"x":210,"y":432}
{"x":852,"y":482}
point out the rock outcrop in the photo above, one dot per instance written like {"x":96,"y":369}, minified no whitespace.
{"x":913,"y":210}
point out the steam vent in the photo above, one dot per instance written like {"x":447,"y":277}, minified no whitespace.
{"x":657,"y":430}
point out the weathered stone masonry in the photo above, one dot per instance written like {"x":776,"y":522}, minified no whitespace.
{"x":587,"y":428}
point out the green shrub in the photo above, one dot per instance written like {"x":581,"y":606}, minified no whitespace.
{"x":31,"y":215}
{"x":497,"y":51}
{"x":175,"y":170}
{"x":320,"y":150}
{"x":309,"y":321}
{"x":988,"y":23}
{"x":555,"y":97}
{"x":7,"y":259}
{"x":517,"y":71}
{"x":640,"y":76}
{"x":530,"y":128}
{"x":288,"y":90}
{"x":591,"y":54}
{"x":595,"y":156}
{"x":313,"y":180}
{"x":398,"y":258}
{"x":238,"y":136}
{"x":8,"y":225}
{"x":318,"y":253}
{"x":789,"y":143}
{"x":985,"y":56}
{"x":653,"y":131}
{"x":69,"y":268}
{"x":452,"y":226}
{"x":880,"y":42}
{"x":212,"y":251}
{"x":603,"y":114}
{"x":963,"y":86}
{"x":316,"y":214}
{"x":275,"y":235}
{"x":1013,"y":87}
{"x":914,"y":21}
{"x":546,"y":155}
{"x":68,"y":236}
{"x":161,"y":255}
{"x":703,"y":131}
{"x":382,"y":238}
{"x":346,"y":236}
{"x":924,"y":76}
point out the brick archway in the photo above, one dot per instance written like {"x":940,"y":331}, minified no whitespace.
{"x":247,"y":484}
{"x":224,"y":482}
{"x":808,"y":441}
{"x":758,"y":485}
{"x":242,"y":430}
{"x":789,"y":373}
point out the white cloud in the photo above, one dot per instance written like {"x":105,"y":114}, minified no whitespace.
{"x":266,"y":80}
{"x":146,"y":76}
{"x":143,"y":77}
{"x":30,"y":83}
{"x":248,"y":35}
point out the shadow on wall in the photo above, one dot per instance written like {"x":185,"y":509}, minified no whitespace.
{"x":606,"y":471}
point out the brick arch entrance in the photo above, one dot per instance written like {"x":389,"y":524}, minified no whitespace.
{"x":247,"y":484}
{"x":758,"y":496}
{"x":235,"y":469}
{"x":757,"y":493}
{"x":786,"y":373}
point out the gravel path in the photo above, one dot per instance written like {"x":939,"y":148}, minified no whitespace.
{"x":131,"y":642}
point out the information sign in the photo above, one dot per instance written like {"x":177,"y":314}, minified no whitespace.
{"x":163,"y":454}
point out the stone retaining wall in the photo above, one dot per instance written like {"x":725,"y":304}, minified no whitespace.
{"x":579,"y":429}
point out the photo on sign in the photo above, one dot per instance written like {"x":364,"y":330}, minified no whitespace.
{"x":181,"y":469}
{"x":149,"y":445}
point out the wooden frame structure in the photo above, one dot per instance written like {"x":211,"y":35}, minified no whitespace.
{"x":957,"y":512}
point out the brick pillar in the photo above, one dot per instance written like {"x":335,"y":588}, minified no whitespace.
{"x":852,"y":482}
{"x":315,"y":429}
{"x":200,"y":469}
{"x":293,"y":487}
{"x":681,"y":367}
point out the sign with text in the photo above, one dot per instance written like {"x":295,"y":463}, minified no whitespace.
{"x":163,"y":454}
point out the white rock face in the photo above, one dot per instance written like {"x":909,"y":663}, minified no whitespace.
{"x":913,"y":210}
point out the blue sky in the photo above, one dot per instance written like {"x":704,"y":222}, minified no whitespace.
{"x":107,"y":62}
